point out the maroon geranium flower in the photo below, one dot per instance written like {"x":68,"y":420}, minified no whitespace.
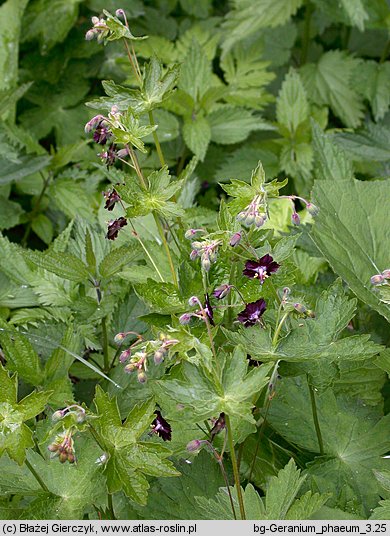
{"x":111,"y":198}
{"x":221,"y":291}
{"x":114,"y":227}
{"x":161,"y":427}
{"x":110,"y":155}
{"x":209,"y":310}
{"x":219,"y":425}
{"x":252,"y":313}
{"x":101,"y":134}
{"x":261,"y":269}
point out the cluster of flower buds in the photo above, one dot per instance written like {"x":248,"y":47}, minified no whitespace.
{"x":207,"y":250}
{"x":137,"y":361}
{"x":63,"y":447}
{"x":101,"y":126}
{"x":288,"y":303}
{"x":310,"y":207}
{"x":255,"y":213}
{"x":382,"y":278}
{"x":100,"y":30}
{"x":78,"y":413}
{"x":205,"y":311}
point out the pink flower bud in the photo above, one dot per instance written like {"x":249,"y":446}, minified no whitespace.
{"x":125,"y":355}
{"x":235,"y":239}
{"x":312,"y":209}
{"x":377,"y":279}
{"x":90,"y":35}
{"x":296,"y":220}
{"x":194,"y":445}
{"x":386,"y":274}
{"x":185,"y":319}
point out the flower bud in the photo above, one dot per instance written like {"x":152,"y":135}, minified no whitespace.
{"x":194,"y":254}
{"x":119,"y":337}
{"x":95,"y":20}
{"x":259,"y":220}
{"x":190,"y":233}
{"x":197,"y":245}
{"x":131,"y":367}
{"x":312,"y":209}
{"x":235,"y":239}
{"x":193,"y":301}
{"x":194,"y":445}
{"x":57,"y":415}
{"x":300,"y":308}
{"x":125,"y":355}
{"x":241,"y":216}
{"x":295,"y":219}
{"x":90,"y":35}
{"x":221,"y":291}
{"x":206,"y":264}
{"x":185,"y":319}
{"x":53,"y":447}
{"x":250,"y":218}
{"x":119,"y":13}
{"x":386,"y":274}
{"x":158,"y":356}
{"x":63,"y":457}
{"x":286,"y":291}
{"x":141,"y":377}
{"x":114,"y":109}
{"x":377,"y":279}
{"x":71,"y":458}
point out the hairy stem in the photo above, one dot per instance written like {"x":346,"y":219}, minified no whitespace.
{"x":105,"y":345}
{"x":156,"y":141}
{"x":315,"y":417}
{"x":235,"y":467}
{"x":36,"y":476}
{"x":166,"y":247}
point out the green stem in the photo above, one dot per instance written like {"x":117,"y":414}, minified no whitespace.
{"x":111,"y":506}
{"x":36,"y":476}
{"x":156,"y":140}
{"x":235,"y":467}
{"x":315,"y":417}
{"x":105,"y":346}
{"x":136,"y":235}
{"x":278,"y":329}
{"x":35,"y":209}
{"x":306,"y":32}
{"x":166,"y":247}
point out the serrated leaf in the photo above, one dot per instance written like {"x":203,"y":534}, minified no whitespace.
{"x":370,"y":143}
{"x":64,"y":265}
{"x":292,"y":107}
{"x":229,"y":124}
{"x":195,"y":74}
{"x":197,"y":135}
{"x":117,"y":259}
{"x":353,"y":242}
{"x":330,"y":161}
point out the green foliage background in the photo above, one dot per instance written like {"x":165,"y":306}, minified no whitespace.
{"x":302,"y":86}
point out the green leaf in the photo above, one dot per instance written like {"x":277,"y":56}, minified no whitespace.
{"x":49,"y":22}
{"x":20,"y":354}
{"x":43,"y":227}
{"x":15,"y":436}
{"x":71,"y":198}
{"x":370,"y":143}
{"x":161,"y":297}
{"x":64,"y":265}
{"x":10,"y":213}
{"x":355,"y":12}
{"x":246,"y":19}
{"x":353,"y":242}
{"x":234,"y":397}
{"x":10,"y":18}
{"x":130,"y":459}
{"x":329,"y":82}
{"x":292,"y":107}
{"x":197,"y":135}
{"x":354,"y":438}
{"x":117,"y":259}
{"x":118,"y":29}
{"x":372,"y":82}
{"x":24,"y":166}
{"x":330,"y":161}
{"x":231,"y":125}
{"x":158,"y":86}
{"x":122,"y":97}
{"x":195,"y":75}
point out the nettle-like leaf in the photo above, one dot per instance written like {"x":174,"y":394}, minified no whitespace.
{"x":153,"y":199}
{"x":368,"y":143}
{"x":247,"y":18}
{"x":353,"y":241}
{"x":233,"y":396}
{"x":280,"y":501}
{"x":118,"y":30}
{"x":64,"y":265}
{"x":354,"y":436}
{"x":15,"y":435}
{"x":130,"y":459}
{"x":157,"y":85}
{"x":329,"y":82}
{"x":372,"y":82}
{"x":330,"y":161}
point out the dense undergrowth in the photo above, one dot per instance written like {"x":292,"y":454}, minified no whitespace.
{"x":194,"y":259}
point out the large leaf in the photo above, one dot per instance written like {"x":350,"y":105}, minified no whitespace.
{"x":354,"y":437}
{"x":350,"y":232}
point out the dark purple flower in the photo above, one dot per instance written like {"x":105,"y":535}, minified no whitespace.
{"x":161,"y":427}
{"x":218,"y":426}
{"x":114,"y":227}
{"x":209,"y":310}
{"x":261,"y":269}
{"x":221,"y":291}
{"x":252,"y":313}
{"x":101,"y":134}
{"x":111,"y":198}
{"x":110,"y":155}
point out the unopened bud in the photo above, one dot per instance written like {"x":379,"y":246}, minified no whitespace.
{"x":53,"y":447}
{"x":386,"y":274}
{"x":63,"y":457}
{"x":312,"y":209}
{"x":57,"y":415}
{"x":185,"y":319}
{"x":221,"y":291}
{"x":296,"y":220}
{"x":241,"y":216}
{"x":131,"y":367}
{"x":259,"y":220}
{"x":190,"y":233}
{"x":125,"y":355}
{"x":119,"y":13}
{"x":158,"y":357}
{"x":235,"y":239}
{"x":206,"y":264}
{"x":286,"y":291}
{"x":300,"y":308}
{"x":193,"y":301}
{"x":250,"y":219}
{"x":90,"y":35}
{"x":141,"y":377}
{"x":95,"y":20}
{"x":197,"y":245}
{"x":377,"y":279}
{"x":194,"y":254}
{"x":119,"y":337}
{"x":194,"y":445}
{"x":71,"y":458}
